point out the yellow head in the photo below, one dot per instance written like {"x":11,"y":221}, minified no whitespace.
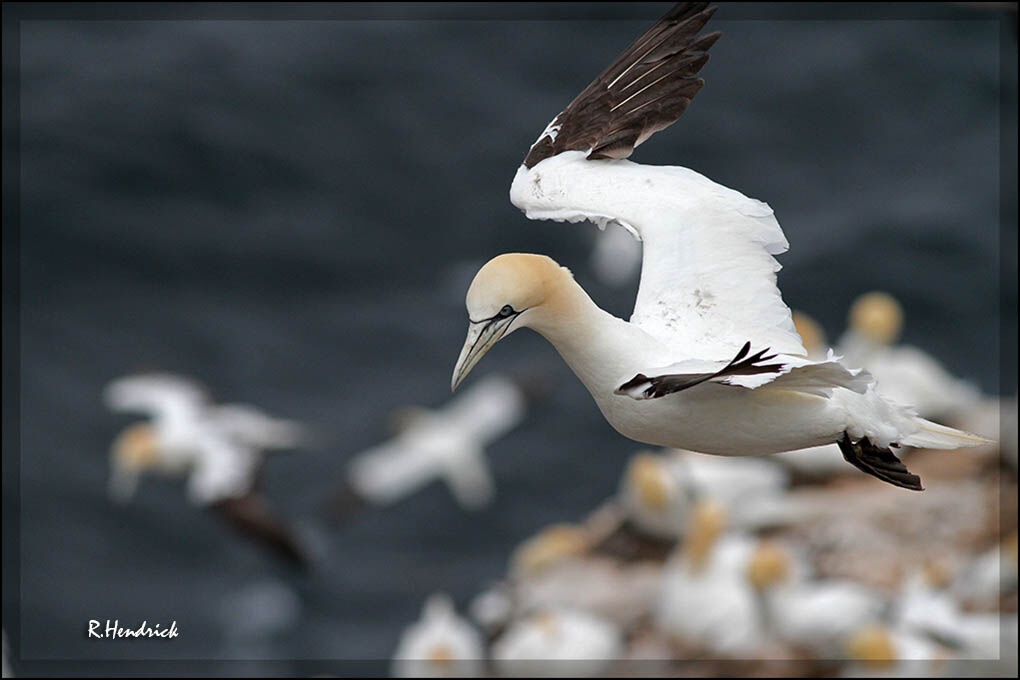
{"x":877,"y":316}
{"x":707,"y":522}
{"x":649,"y":479}
{"x":136,"y":448}
{"x":769,"y":565}
{"x":511,"y":291}
{"x":872,"y":645}
{"x":551,"y":545}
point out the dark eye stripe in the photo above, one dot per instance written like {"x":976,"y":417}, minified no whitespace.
{"x":504,"y":313}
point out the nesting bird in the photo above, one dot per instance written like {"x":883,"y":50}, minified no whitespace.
{"x":656,"y":494}
{"x":710,"y":360}
{"x":220,"y":449}
{"x":441,"y":644}
{"x":905,"y":374}
{"x":817,"y":616}
{"x":556,"y":642}
{"x":706,"y":600}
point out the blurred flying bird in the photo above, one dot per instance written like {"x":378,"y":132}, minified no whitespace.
{"x":710,"y":360}
{"x":446,"y":443}
{"x":219,"y":449}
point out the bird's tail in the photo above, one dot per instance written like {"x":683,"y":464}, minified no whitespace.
{"x":931,"y":435}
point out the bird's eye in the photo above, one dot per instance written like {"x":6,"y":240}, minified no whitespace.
{"x":506,"y":311}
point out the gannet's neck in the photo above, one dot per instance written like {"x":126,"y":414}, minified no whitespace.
{"x":597,"y":346}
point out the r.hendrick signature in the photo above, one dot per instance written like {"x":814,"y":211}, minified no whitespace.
{"x":113,"y":630}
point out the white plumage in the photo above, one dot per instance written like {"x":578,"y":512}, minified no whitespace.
{"x":710,"y":360}
{"x":440,"y":644}
{"x":448,"y":443}
{"x":219,"y":448}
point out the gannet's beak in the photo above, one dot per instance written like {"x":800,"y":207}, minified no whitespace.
{"x":481,"y":336}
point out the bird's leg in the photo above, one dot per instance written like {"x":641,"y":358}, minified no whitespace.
{"x":878,"y":462}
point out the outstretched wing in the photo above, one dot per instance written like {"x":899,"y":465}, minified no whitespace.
{"x":252,"y":427}
{"x":643,"y":91}
{"x":159,"y":395}
{"x":708,"y":275}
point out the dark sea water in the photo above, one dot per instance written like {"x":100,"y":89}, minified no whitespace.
{"x":291,"y":211}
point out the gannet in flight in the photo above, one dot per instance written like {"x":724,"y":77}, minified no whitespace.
{"x":220,"y":449}
{"x":447,"y":443}
{"x":710,"y":360}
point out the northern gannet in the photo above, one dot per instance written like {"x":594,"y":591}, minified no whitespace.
{"x":558,"y":641}
{"x":710,"y":360}
{"x":656,"y":494}
{"x":905,"y":374}
{"x":447,"y":443}
{"x":816,"y":616}
{"x":219,"y":448}
{"x":706,"y":601}
{"x":441,"y":644}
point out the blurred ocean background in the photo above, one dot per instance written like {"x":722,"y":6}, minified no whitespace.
{"x":291,"y":212}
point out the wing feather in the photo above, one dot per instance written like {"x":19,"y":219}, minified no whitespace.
{"x":708,"y":275}
{"x":615,"y":112}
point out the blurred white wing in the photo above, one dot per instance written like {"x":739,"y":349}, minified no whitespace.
{"x":469,"y":479}
{"x":223,"y":469}
{"x":708,"y":275}
{"x":254,"y":428}
{"x":489,"y":409}
{"x":167,"y":399}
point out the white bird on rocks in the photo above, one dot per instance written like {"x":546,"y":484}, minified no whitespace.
{"x":710,"y":360}
{"x":927,"y":610}
{"x":706,"y":601}
{"x":656,"y":495}
{"x":220,"y":449}
{"x":905,"y":374}
{"x":448,"y":443}
{"x":558,"y":642}
{"x":818,"y":616}
{"x":441,"y":644}
{"x":880,"y":651}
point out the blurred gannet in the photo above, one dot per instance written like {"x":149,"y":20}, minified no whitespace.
{"x":907,"y":375}
{"x":558,"y":641}
{"x":441,"y":644}
{"x":818,"y":616}
{"x":710,"y":360}
{"x":988,"y":576}
{"x":924,"y":609}
{"x":553,"y":544}
{"x":658,"y":491}
{"x":706,"y":600}
{"x":220,"y":449}
{"x":656,"y":494}
{"x":448,"y":442}
{"x":878,"y":651}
